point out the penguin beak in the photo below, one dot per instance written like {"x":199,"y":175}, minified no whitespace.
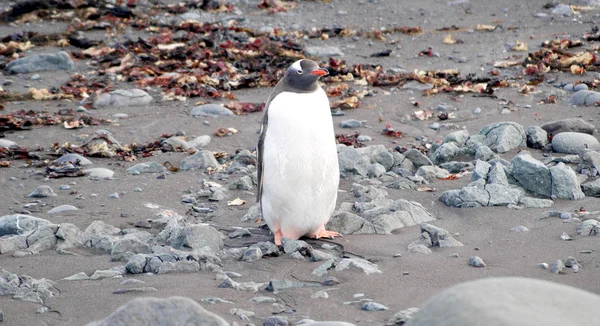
{"x":320,"y":72}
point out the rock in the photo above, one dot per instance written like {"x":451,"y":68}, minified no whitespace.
{"x":291,"y":246}
{"x":155,"y":311}
{"x":519,"y":228}
{"x":123,"y":98}
{"x":444,"y":153}
{"x":102,"y":274}
{"x":401,"y":317}
{"x":100,"y":173}
{"x":508,"y":301}
{"x":252,"y":254}
{"x":62,"y":208}
{"x":562,"y":10}
{"x":347,"y":223}
{"x":68,"y":236}
{"x":147,"y":167}
{"x":565,"y":184}
{"x":497,"y":175}
{"x":481,"y":170}
{"x":135,"y":290}
{"x":196,"y":236}
{"x":501,"y":137}
{"x":352,"y":123}
{"x":402,"y":183}
{"x":41,"y":62}
{"x":373,"y":306}
{"x":438,"y":237}
{"x":201,"y":160}
{"x":278,"y":285}
{"x":589,"y":227}
{"x":73,"y":158}
{"x":253,"y":214}
{"x":136,"y":264}
{"x":26,"y":288}
{"x":350,"y":161}
{"x":239,"y":232}
{"x":20,"y":224}
{"x":568,"y":125}
{"x":532,"y":174}
{"x":584,"y":97}
{"x":536,"y":137}
{"x":557,"y":267}
{"x":199,"y":142}
{"x":484,"y":153}
{"x":467,"y":197}
{"x":43,"y":238}
{"x":323,"y":51}
{"x":458,"y":137}
{"x":375,"y":170}
{"x":210,"y":110}
{"x":365,"y":265}
{"x":77,"y":277}
{"x":101,"y":228}
{"x":7,"y":143}
{"x":476,"y":261}
{"x":591,"y":188}
{"x":42,"y":192}
{"x":417,"y":158}
{"x":431,"y":172}
{"x":574,"y":142}
{"x":531,"y":202}
{"x":132,"y":244}
{"x":243,"y":160}
{"x":501,"y":195}
{"x":184,"y":266}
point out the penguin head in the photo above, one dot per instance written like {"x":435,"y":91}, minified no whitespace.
{"x":302,"y":76}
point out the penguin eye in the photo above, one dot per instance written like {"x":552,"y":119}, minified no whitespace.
{"x":299,"y":72}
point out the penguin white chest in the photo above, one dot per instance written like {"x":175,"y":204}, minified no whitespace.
{"x":301,"y":172}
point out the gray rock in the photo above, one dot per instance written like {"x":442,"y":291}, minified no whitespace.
{"x":199,"y":142}
{"x":457,"y":167}
{"x":242,"y":183}
{"x":484,"y":153}
{"x":562,"y":10}
{"x":470,"y":303}
{"x":531,"y":202}
{"x":352,"y":123}
{"x":103,"y":274}
{"x":458,"y":137}
{"x":4,"y":143}
{"x":362,"y":264}
{"x":497,"y":175}
{"x":155,"y":311}
{"x":589,"y":227}
{"x":584,"y":97}
{"x":501,"y":195}
{"x":100,"y":173}
{"x":323,"y":51}
{"x":565,"y":184}
{"x":568,"y":125}
{"x":385,"y":158}
{"x":147,"y":167}
{"x":43,"y":238}
{"x":574,"y":142}
{"x":373,"y":306}
{"x":532,"y":174}
{"x":42,"y":192}
{"x":253,"y":214}
{"x":131,"y":244}
{"x":26,"y":288}
{"x":199,"y":161}
{"x":196,"y":236}
{"x":402,"y":183}
{"x":77,"y":277}
{"x":12,"y":243}
{"x":419,"y":249}
{"x":68,"y":236}
{"x":184,"y":266}
{"x":348,"y":223}
{"x":101,"y":228}
{"x":431,"y":172}
{"x":417,"y":158}
{"x":210,"y":110}
{"x":482,"y":168}
{"x":20,"y":224}
{"x":557,"y":267}
{"x":375,"y":170}
{"x":141,"y":289}
{"x":41,"y":62}
{"x":466,"y":197}
{"x":72,"y":158}
{"x":519,"y":228}
{"x":62,"y":208}
{"x":401,"y":317}
{"x":239,"y":232}
{"x":476,"y":261}
{"x":275,"y":321}
{"x":136,"y":264}
{"x":501,"y":137}
{"x":591,"y":188}
{"x":444,"y":153}
{"x":123,"y":98}
{"x":268,"y":248}
{"x":438,"y":237}
{"x":350,"y":161}
{"x":252,"y":254}
{"x":536,"y":137}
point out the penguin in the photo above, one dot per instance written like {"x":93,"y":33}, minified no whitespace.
{"x":298,"y":169}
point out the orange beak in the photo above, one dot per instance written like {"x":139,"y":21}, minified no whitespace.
{"x":320,"y":72}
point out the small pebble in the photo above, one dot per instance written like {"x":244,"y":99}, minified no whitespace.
{"x":543,"y":265}
{"x":113,"y":195}
{"x":373,"y":306}
{"x":138,"y":189}
{"x":35,"y":77}
{"x":477,"y":111}
{"x":476,"y":261}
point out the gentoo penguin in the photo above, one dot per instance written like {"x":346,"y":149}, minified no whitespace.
{"x":298,"y":171}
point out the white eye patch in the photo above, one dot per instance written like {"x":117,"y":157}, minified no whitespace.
{"x":296,"y":65}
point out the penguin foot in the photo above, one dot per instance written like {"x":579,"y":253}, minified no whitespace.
{"x":325,"y":234}
{"x":278,"y":235}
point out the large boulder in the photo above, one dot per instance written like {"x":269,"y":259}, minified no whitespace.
{"x":532,"y":174}
{"x":501,"y":137}
{"x":155,"y":311}
{"x":509,"y":301}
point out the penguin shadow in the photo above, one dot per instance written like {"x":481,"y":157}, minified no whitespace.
{"x":263,"y":234}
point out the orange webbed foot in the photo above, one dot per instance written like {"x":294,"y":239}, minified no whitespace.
{"x":278,"y":235}
{"x":325,"y":234}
